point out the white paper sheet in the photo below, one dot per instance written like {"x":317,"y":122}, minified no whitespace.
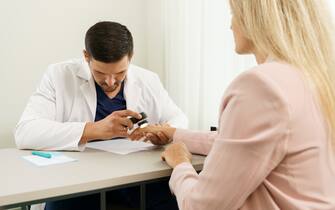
{"x":121,"y":146}
{"x":57,"y":158}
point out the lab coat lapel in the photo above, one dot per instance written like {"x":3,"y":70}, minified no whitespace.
{"x":88,"y":88}
{"x":132,"y":92}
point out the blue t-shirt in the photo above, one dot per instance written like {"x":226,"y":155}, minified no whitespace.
{"x":106,"y":105}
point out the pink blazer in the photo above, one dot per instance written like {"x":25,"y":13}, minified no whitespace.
{"x":271,"y":150}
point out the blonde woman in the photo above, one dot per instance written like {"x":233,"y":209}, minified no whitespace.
{"x":275,"y":142}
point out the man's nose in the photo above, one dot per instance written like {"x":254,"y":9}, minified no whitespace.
{"x":110,"y":80}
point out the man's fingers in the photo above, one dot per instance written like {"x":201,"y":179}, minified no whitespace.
{"x":126,"y":113}
{"x":136,"y":135}
{"x":122,"y":134}
{"x":132,"y":137}
{"x":152,"y":129}
{"x":152,"y":138}
{"x":126,"y":123}
{"x":163,"y":138}
{"x":148,"y":135}
{"x":166,"y":125}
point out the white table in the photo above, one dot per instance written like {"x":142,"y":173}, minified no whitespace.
{"x":23,"y":184}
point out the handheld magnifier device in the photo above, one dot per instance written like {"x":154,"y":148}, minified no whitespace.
{"x":138,"y":123}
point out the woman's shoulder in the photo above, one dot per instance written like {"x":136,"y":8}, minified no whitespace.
{"x":278,"y":77}
{"x":275,"y":82}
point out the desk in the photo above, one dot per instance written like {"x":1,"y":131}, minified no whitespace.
{"x":22,"y":183}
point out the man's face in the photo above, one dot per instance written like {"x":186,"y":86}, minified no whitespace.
{"x":108,"y":76}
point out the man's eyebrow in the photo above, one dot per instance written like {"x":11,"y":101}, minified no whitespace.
{"x":97,"y":70}
{"x":122,"y":71}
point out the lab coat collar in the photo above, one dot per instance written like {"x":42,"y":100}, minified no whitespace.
{"x":88,"y":88}
{"x":83,"y":70}
{"x":132,"y":90}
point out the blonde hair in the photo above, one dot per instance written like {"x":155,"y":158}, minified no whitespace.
{"x":299,"y":32}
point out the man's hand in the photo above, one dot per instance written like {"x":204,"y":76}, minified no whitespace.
{"x":176,"y":154}
{"x":156,"y":134}
{"x":114,"y":125}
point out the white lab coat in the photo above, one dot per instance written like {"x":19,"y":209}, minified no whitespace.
{"x":55,"y":116}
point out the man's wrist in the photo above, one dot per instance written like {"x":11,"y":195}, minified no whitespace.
{"x":90,"y":133}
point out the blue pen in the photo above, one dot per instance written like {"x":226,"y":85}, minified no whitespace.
{"x":41,"y":154}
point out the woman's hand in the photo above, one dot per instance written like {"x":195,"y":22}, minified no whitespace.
{"x":156,"y":134}
{"x":176,"y":154}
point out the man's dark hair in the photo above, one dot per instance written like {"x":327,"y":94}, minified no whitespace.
{"x":109,"y":41}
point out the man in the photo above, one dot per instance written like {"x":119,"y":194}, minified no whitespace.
{"x":87,"y":99}
{"x":82,"y":100}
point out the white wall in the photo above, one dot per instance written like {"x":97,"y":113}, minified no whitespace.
{"x":155,"y":36}
{"x":35,"y":33}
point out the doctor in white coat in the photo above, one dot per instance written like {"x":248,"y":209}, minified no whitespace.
{"x":86,"y":99}
{"x":60,"y":115}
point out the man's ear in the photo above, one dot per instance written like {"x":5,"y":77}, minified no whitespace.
{"x":130,"y":56}
{"x":86,"y":56}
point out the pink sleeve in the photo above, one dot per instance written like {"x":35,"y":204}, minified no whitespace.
{"x":196,"y":141}
{"x":251,"y":142}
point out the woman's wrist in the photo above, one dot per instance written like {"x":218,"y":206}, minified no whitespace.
{"x":170,"y":131}
{"x":182,"y":160}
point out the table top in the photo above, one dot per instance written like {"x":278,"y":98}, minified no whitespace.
{"x":21,"y":181}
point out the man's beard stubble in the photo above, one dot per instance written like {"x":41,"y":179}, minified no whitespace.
{"x":112,"y":88}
